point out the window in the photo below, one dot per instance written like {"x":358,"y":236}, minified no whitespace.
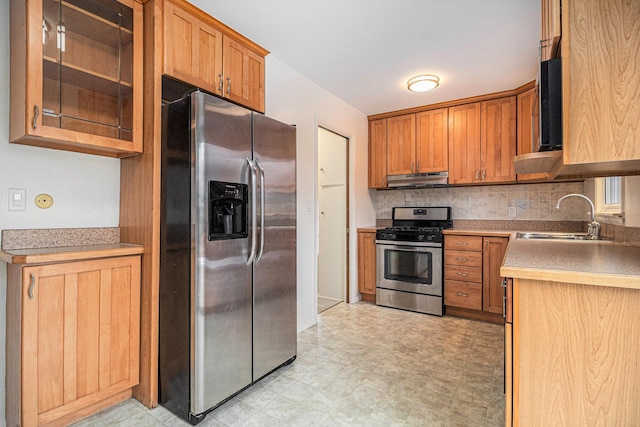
{"x":609,"y":195}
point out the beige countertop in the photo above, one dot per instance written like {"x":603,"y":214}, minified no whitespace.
{"x":602,"y":263}
{"x":68,"y":253}
{"x":488,"y":233}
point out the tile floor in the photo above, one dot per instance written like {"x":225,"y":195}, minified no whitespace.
{"x":364,"y":365}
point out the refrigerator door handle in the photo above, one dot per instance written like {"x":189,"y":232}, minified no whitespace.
{"x":254,"y":213}
{"x":262,"y":209}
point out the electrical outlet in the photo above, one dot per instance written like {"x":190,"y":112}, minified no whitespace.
{"x":17,"y":199}
{"x":44,"y":201}
{"x":512,"y":211}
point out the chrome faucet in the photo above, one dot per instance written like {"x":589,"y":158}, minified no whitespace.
{"x":594,"y":227}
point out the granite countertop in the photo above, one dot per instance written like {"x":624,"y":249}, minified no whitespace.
{"x":601,"y":263}
{"x":36,"y":246}
{"x":68,"y":253}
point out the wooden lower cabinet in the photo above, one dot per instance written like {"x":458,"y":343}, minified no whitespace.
{"x":574,"y":350}
{"x":73,"y":333}
{"x":472,"y":282}
{"x":367,"y":264}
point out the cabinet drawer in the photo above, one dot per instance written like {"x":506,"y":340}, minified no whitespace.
{"x":461,"y":294}
{"x":468,"y":258}
{"x":463,"y":243}
{"x":463,"y":273}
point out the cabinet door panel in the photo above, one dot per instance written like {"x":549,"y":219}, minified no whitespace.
{"x":193,"y":49}
{"x":88,"y":333}
{"x":378,"y":153}
{"x":528,"y":130}
{"x":493,"y":292}
{"x":432,"y":150}
{"x":401,"y":144}
{"x":367,"y":263}
{"x":498,"y":140}
{"x":80,"y":334}
{"x":464,"y":144}
{"x":243,"y":74}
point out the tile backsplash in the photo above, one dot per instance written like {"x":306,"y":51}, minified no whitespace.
{"x":531,"y":201}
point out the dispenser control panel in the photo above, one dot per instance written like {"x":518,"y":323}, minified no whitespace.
{"x":228,"y":206}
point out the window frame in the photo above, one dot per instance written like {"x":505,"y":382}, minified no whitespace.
{"x":612,"y":209}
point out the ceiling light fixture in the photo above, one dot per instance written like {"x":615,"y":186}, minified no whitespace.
{"x":423,"y":83}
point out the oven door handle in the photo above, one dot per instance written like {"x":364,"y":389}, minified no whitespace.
{"x":407,"y":247}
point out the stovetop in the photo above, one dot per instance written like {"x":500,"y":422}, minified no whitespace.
{"x":419,"y":224}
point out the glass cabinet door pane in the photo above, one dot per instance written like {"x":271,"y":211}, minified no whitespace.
{"x":88,"y":57}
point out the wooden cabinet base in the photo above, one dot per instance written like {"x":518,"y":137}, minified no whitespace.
{"x":368,"y":297}
{"x":473,"y":314}
{"x":91,"y":409}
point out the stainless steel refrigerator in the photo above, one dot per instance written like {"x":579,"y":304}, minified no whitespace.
{"x":227,"y":252}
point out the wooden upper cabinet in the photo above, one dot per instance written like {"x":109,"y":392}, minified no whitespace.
{"x":401,"y":144}
{"x":464,"y":144}
{"x":76,"y":76}
{"x":482,"y":142}
{"x":243,"y":75}
{"x":601,"y":83}
{"x":432,"y":151}
{"x":528,"y":130}
{"x":551,"y":29}
{"x":378,"y":153}
{"x":498,"y":140}
{"x":205,"y":53}
{"x":193,"y":49}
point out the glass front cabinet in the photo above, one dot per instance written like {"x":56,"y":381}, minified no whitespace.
{"x":76,"y":75}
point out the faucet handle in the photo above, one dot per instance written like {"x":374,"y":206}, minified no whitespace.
{"x":594,"y":230}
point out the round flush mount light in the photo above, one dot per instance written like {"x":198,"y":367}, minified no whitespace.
{"x":423,"y":83}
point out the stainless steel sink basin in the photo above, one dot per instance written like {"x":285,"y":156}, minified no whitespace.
{"x":553,"y":236}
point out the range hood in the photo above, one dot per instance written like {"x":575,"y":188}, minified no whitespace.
{"x":414,"y":180}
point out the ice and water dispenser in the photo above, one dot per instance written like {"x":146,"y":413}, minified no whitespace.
{"x":227,"y":210}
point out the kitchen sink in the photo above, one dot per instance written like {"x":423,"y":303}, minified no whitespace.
{"x":553,"y":236}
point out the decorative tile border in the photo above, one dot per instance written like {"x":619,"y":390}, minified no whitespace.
{"x":57,"y":237}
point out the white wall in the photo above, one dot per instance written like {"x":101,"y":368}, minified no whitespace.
{"x":85,"y":188}
{"x":292,"y":98}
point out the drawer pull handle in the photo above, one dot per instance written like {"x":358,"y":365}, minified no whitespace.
{"x":460,"y":273}
{"x":462,"y":259}
{"x":32,"y":284}
{"x":462,"y":294}
{"x":462,"y":243}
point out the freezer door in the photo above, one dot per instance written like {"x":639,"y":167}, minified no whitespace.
{"x":222,"y":304}
{"x":274,"y":275}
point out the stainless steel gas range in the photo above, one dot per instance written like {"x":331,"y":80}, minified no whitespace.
{"x":409,"y":259}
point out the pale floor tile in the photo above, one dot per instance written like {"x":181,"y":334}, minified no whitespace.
{"x":364,"y":365}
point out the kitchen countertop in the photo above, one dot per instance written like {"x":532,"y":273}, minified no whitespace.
{"x":488,"y":233}
{"x":601,"y":263}
{"x":68,"y":253}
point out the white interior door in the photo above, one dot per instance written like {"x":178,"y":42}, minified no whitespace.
{"x":332,"y":204}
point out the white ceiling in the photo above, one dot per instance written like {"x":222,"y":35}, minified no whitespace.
{"x":364,"y":51}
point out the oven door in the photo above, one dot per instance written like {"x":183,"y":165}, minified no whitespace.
{"x":409,"y":267}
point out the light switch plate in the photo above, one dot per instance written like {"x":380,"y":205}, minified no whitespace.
{"x":17,"y":199}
